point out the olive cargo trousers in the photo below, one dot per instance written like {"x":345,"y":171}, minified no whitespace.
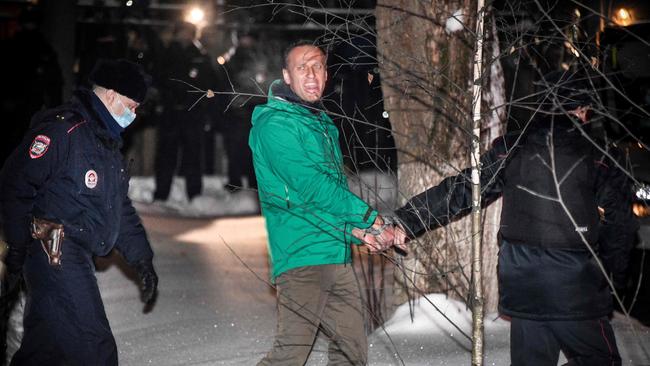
{"x":324,"y":297}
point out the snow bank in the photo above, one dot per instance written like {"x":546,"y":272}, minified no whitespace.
{"x":431,"y":339}
{"x":434,"y":315}
{"x":213,"y":202}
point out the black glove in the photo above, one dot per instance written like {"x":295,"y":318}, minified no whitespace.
{"x":149,"y":278}
{"x":13,"y":277}
{"x":15,"y":258}
{"x":11,"y":283}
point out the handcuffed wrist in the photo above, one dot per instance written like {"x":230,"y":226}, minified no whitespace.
{"x":388,"y":222}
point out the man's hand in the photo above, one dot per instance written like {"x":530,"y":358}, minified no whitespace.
{"x":149,"y":281}
{"x":378,"y":237}
{"x":400,"y":239}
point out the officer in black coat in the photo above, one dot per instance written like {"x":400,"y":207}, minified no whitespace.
{"x":182,"y":129}
{"x":549,"y":282}
{"x":67,"y":184}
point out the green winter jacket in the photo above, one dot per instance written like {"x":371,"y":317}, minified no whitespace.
{"x":304,"y":195}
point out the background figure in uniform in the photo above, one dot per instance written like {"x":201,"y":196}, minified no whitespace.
{"x":32,"y":79}
{"x":236,"y":124}
{"x":549,"y":282}
{"x":240,"y":159}
{"x":67,"y":179}
{"x":181,"y":130}
{"x":357,"y":108}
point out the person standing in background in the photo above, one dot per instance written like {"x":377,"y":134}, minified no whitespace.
{"x":182,"y":126}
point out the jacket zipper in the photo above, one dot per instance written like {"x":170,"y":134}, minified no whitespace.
{"x":286,"y":194}
{"x":330,"y":143}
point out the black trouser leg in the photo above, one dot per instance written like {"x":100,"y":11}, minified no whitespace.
{"x":532,"y":343}
{"x":587,"y":342}
{"x":191,"y":162}
{"x":240,"y":158}
{"x":65,"y":322}
{"x":166,"y":156}
{"x":583,"y":342}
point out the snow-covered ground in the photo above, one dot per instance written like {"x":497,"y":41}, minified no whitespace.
{"x":214,"y":201}
{"x":375,"y":188}
{"x":216,"y":308}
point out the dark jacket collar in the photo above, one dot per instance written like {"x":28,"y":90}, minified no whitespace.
{"x":106,"y":117}
{"x":282,"y":90}
{"x":564,"y":129}
{"x":96,"y":115}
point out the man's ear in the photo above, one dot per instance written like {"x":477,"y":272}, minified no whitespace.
{"x":286,"y":76}
{"x":110,"y":95}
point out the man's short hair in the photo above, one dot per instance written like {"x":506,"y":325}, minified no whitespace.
{"x":300,"y":43}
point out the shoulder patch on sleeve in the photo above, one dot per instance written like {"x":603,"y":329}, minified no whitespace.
{"x":39,"y":146}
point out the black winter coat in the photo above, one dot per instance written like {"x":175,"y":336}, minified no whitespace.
{"x":545,"y":269}
{"x":69,"y":169}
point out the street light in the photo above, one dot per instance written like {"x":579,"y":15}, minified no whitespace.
{"x":623,"y":17}
{"x":195,"y":15}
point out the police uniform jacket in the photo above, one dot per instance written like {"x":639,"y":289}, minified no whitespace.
{"x":545,"y":269}
{"x":69,"y":170}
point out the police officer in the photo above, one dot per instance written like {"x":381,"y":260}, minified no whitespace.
{"x":64,"y":200}
{"x":553,"y":181}
{"x":182,"y":129}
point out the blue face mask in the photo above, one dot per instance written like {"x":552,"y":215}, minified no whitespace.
{"x":124,"y":119}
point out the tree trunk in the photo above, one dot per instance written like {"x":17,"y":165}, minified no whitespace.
{"x":426,"y":53}
{"x":476,"y":290}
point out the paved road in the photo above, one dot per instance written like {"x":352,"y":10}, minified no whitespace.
{"x":215,"y":307}
{"x":211,"y":309}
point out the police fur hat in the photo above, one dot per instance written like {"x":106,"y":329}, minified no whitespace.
{"x":123,"y":76}
{"x":560,"y":91}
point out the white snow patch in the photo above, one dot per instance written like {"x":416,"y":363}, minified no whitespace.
{"x":429,"y":317}
{"x":214,"y":200}
{"x":455,"y":22}
{"x":430,"y":339}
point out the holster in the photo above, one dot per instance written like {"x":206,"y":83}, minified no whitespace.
{"x":51,"y":235}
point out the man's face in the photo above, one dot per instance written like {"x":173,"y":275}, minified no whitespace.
{"x":583,"y":113}
{"x":117,"y":102}
{"x":306,"y":72}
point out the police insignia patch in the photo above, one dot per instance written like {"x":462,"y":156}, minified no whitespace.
{"x":39,"y":146}
{"x":91,"y":179}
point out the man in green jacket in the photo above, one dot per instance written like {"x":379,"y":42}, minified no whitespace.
{"x":311,"y":216}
